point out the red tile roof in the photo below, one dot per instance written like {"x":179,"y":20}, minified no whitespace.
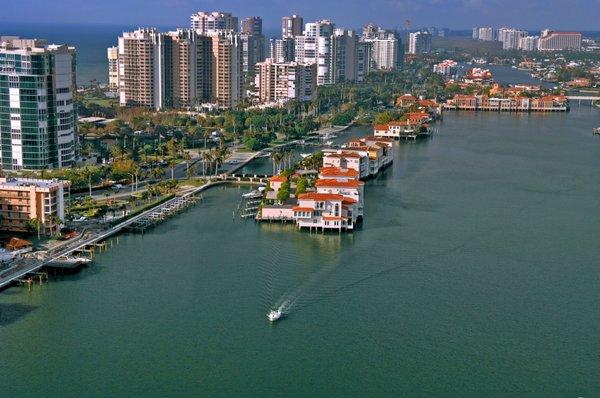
{"x":321,"y":196}
{"x":299,"y":208}
{"x":337,"y":172}
{"x":338,"y":183}
{"x":278,"y":178}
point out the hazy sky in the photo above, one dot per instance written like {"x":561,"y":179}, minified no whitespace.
{"x":456,"y":14}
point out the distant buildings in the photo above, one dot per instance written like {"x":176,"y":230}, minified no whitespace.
{"x":547,"y":103}
{"x":512,"y":38}
{"x":37,"y":116}
{"x":419,"y":42}
{"x":25,"y":199}
{"x":529,"y":43}
{"x":486,"y":33}
{"x":557,"y":41}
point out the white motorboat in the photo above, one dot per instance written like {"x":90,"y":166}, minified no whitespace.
{"x":274,"y":315}
{"x":329,"y":143}
{"x":305,"y":155}
{"x":252,"y":195}
{"x":69,"y":262}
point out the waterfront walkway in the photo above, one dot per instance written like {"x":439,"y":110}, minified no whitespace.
{"x":21,"y":270}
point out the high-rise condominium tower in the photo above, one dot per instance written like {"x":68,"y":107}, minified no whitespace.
{"x":213,"y":22}
{"x":113,"y":68}
{"x":291,"y":26}
{"x":227,"y":69}
{"x":37,"y":116}
{"x":161,"y":70}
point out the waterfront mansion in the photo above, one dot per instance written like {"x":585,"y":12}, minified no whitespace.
{"x":336,"y":199}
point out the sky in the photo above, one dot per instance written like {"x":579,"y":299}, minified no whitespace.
{"x":453,"y":14}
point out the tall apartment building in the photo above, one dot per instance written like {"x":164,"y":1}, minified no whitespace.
{"x":344,"y":56}
{"x":529,"y":43}
{"x":37,"y":116}
{"x":162,"y":70}
{"x":485,"y":33}
{"x":385,"y":47}
{"x":227,"y":69}
{"x":384,"y":53}
{"x":207,"y":23}
{"x":24,"y":199}
{"x":143,"y":69}
{"x":291,"y":26}
{"x":113,"y":68}
{"x":315,"y":46}
{"x":282,"y":50}
{"x":252,"y":26}
{"x":419,"y":42}
{"x":253,"y":44}
{"x":191,"y":68}
{"x":253,"y":51}
{"x":510,"y":37}
{"x":364,"y":62}
{"x":557,"y":41}
{"x":281,"y":82}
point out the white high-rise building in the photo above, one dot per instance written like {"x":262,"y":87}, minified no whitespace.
{"x":485,"y":33}
{"x":213,"y":22}
{"x":384,"y":47}
{"x":37,"y":115}
{"x":315,"y":46}
{"x":419,"y":42}
{"x":282,"y":50}
{"x":510,"y":37}
{"x":384,"y":53}
{"x":284,"y":81}
{"x":557,"y":41}
{"x":113,"y":68}
{"x":529,"y":43}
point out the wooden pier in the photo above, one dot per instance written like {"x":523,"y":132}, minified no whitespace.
{"x":161,"y":213}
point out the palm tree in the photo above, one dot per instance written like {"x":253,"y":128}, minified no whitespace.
{"x":172,"y":164}
{"x":187,"y":158}
{"x":206,"y":135}
{"x":88,"y":174}
{"x":206,"y":159}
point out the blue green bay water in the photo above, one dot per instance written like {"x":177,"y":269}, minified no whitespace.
{"x":475,"y":273}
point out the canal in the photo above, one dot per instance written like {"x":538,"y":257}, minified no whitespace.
{"x":475,"y":273}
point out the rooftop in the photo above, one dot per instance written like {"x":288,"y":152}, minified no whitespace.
{"x":7,"y":183}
